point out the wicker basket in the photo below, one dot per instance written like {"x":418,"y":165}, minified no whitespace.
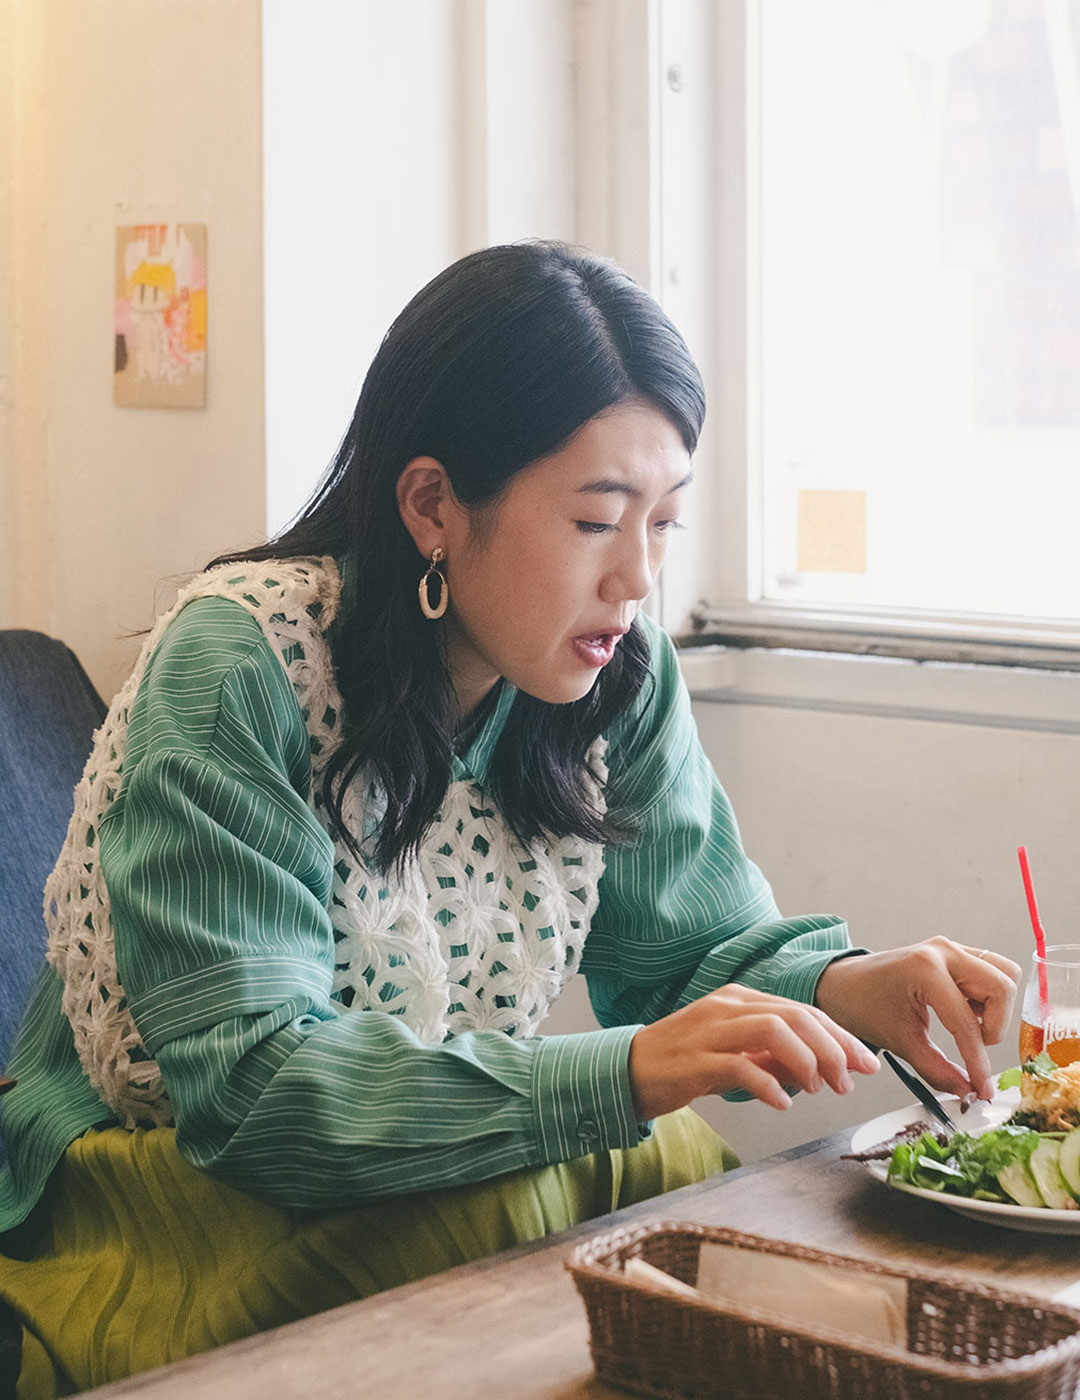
{"x":963,"y":1338}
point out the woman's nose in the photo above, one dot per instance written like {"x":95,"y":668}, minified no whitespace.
{"x":631,"y":577}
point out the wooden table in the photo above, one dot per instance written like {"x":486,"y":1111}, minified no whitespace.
{"x":514,"y":1326}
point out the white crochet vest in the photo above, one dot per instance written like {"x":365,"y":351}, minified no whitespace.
{"x":480,"y":933}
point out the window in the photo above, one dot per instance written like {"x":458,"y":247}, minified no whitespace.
{"x":908,"y":235}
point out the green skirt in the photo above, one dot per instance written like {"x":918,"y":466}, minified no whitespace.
{"x":133,"y":1258}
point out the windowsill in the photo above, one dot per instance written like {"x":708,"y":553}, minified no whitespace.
{"x":1037,"y":644}
{"x":996,"y":696}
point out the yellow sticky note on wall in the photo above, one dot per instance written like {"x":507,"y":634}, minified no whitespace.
{"x":832,"y":532}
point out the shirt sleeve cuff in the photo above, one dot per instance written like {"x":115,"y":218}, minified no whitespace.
{"x":792,"y":970}
{"x":581,"y":1094}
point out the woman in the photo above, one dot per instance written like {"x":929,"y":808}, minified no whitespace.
{"x":342,"y":839}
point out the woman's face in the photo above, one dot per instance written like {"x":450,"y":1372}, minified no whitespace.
{"x":546,"y":582}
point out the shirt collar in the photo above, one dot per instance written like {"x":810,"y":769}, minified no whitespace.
{"x":475,"y":760}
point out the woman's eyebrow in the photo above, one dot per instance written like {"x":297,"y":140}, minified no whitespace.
{"x":610,"y":486}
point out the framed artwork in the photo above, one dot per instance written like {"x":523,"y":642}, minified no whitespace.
{"x":160,"y":332}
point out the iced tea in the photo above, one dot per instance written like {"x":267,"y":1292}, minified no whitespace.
{"x":1063,"y":1050}
{"x":1050,"y":1011}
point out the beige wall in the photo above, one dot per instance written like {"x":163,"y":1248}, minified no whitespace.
{"x":123,"y":111}
{"x":7,"y":285}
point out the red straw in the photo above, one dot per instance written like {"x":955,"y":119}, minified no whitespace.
{"x":1040,"y":937}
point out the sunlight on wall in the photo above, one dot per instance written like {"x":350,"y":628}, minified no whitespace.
{"x":114,"y":122}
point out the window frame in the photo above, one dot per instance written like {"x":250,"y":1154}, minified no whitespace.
{"x":704,"y":71}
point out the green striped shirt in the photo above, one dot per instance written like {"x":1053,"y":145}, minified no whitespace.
{"x":219,"y":877}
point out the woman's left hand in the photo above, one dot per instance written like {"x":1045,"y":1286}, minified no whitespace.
{"x":885,"y":998}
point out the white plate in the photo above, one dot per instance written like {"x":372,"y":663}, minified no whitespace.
{"x":977,"y":1119}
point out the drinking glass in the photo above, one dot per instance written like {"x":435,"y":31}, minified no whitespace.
{"x":1052,"y":1024}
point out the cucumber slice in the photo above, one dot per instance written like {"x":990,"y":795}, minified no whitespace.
{"x":1046,"y":1170}
{"x":1069,"y":1161}
{"x":1016,"y":1181}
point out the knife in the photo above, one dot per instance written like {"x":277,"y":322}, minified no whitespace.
{"x":922,"y":1091}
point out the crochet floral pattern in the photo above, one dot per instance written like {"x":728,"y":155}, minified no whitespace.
{"x":480,"y":932}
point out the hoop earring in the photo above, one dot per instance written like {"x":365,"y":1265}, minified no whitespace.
{"x":433,"y":611}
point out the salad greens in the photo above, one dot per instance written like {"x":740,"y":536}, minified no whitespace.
{"x":1012,"y":1163}
{"x":965,"y":1165}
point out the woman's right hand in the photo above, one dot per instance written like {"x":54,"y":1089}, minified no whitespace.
{"x":739,"y":1038}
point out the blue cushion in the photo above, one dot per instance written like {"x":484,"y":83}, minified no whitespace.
{"x":48,"y":713}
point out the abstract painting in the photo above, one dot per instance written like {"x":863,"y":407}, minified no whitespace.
{"x":160,"y":332}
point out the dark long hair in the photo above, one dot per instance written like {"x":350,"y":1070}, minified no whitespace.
{"x":496,"y":363}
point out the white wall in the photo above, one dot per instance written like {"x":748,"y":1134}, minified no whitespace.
{"x":362,"y":128}
{"x":123,"y":112}
{"x":397,"y":138}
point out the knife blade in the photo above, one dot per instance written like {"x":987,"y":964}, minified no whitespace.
{"x":922,"y":1091}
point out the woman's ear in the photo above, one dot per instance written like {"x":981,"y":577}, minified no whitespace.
{"x":426,"y":502}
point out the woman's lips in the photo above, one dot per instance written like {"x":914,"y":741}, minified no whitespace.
{"x":597,"y":650}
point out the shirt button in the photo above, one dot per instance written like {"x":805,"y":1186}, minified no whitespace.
{"x":587,"y":1130}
